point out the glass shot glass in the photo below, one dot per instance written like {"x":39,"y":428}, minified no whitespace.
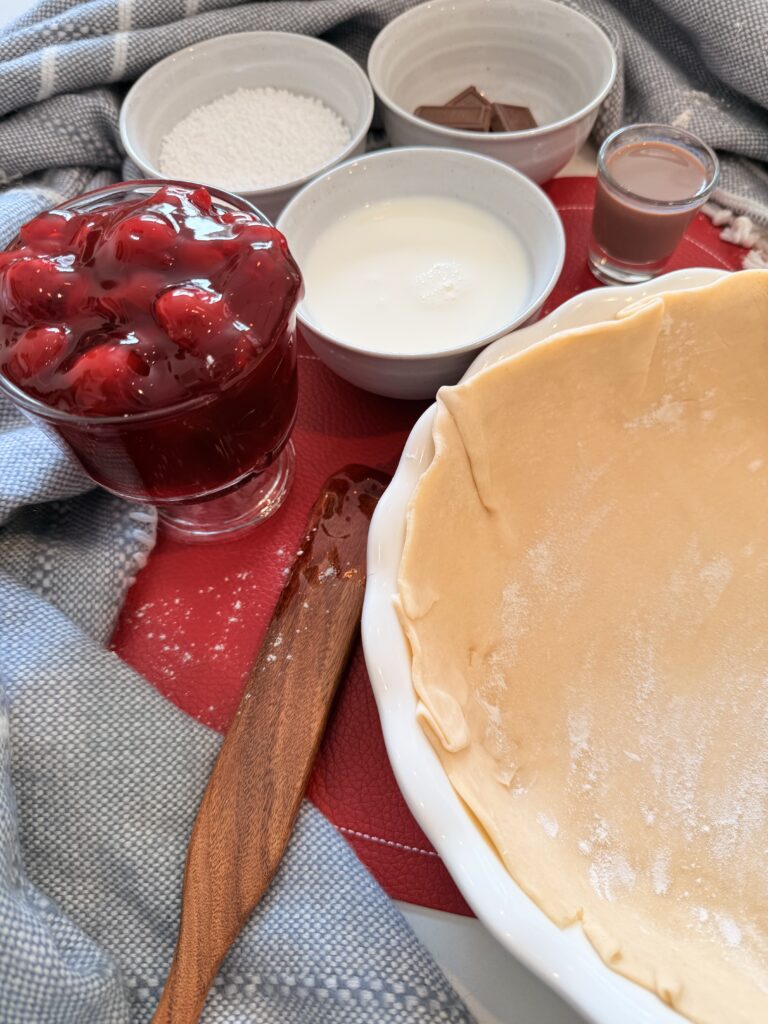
{"x":651,"y":180}
{"x":213,"y":465}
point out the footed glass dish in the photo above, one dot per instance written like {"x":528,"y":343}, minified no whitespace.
{"x":150,"y":327}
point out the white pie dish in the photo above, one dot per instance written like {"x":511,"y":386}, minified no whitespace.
{"x":563,"y":959}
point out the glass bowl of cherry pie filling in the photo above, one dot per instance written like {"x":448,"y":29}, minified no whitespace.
{"x":150,"y":326}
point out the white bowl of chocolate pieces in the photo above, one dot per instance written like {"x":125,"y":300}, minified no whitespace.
{"x":518,"y":80}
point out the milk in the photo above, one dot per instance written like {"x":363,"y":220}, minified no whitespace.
{"x":415,"y":274}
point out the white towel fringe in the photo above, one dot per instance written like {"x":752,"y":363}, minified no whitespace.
{"x":145,"y":532}
{"x":145,"y":516}
{"x":740,"y":230}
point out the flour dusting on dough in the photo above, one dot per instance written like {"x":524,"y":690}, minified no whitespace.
{"x":716,"y":575}
{"x":669,"y":414}
{"x":579,"y":730}
{"x":660,"y":874}
{"x":541,"y":560}
{"x":729,"y":930}
{"x":588,"y":769}
{"x":611,"y":876}
{"x":549,"y":825}
{"x":514,"y":616}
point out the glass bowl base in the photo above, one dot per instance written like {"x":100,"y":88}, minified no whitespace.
{"x":233,"y":513}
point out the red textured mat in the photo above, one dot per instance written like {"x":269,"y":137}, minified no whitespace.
{"x":194,"y":620}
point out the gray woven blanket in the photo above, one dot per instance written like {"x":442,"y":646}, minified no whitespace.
{"x":99,"y":776}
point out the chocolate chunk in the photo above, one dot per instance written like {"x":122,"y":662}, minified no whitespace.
{"x":468,"y":119}
{"x":508,"y":118}
{"x":469,"y":97}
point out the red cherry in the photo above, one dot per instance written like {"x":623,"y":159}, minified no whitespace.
{"x":264,"y":285}
{"x":43,"y":288}
{"x":91,"y":228}
{"x":145,"y":238}
{"x":172,"y":195}
{"x":126,"y":298}
{"x":236,"y":217}
{"x":191,"y":316}
{"x":37,"y":352}
{"x":109,"y":379}
{"x":201,"y":198}
{"x":49,"y":233}
{"x":205,"y":257}
{"x":258,"y":235}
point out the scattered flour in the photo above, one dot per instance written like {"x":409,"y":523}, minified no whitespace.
{"x":611,"y":876}
{"x":514,"y":616}
{"x":549,"y":825}
{"x":540,"y":559}
{"x":716,"y":575}
{"x":660,"y":874}
{"x":668,"y":413}
{"x":649,"y":815}
{"x":729,"y":930}
{"x":695,"y":100}
{"x":579,"y":731}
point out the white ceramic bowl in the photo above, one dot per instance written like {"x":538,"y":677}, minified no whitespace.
{"x":390,"y":173}
{"x":174,"y":87}
{"x":563,"y":959}
{"x":533,"y":53}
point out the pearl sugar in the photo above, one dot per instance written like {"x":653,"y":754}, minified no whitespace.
{"x":253,"y":138}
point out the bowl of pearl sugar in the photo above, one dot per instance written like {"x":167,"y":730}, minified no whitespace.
{"x":415,"y":259}
{"x":256,"y":113}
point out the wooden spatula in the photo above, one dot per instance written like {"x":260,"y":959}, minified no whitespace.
{"x":254,"y":792}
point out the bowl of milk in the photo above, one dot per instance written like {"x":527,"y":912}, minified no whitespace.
{"x":414,"y":259}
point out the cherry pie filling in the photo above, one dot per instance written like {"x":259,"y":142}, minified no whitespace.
{"x":164,"y":326}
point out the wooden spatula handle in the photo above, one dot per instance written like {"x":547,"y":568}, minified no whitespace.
{"x":254,"y":792}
